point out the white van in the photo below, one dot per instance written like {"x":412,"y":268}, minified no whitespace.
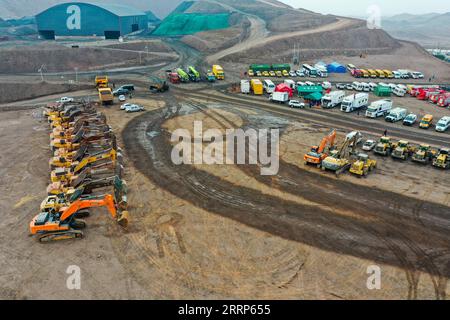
{"x":379,"y":108}
{"x":300,"y":84}
{"x":245,"y":86}
{"x":396,"y":114}
{"x":357,"y":86}
{"x":397,"y":75}
{"x":332,"y":99}
{"x":372,"y":86}
{"x":290,"y":83}
{"x":326,"y":85}
{"x":443,"y":124}
{"x":268,"y":86}
{"x":366,"y":87}
{"x":309,"y":83}
{"x":399,"y":90}
{"x":354,"y":102}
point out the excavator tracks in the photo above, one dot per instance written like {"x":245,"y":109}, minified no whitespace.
{"x":58,"y":236}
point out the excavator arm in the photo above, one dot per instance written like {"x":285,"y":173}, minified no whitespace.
{"x":330,"y":139}
{"x":107,"y":201}
{"x":111,"y":154}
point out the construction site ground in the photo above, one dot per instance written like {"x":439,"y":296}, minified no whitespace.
{"x":225,"y":231}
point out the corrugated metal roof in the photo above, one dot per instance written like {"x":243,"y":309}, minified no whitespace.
{"x":119,"y":9}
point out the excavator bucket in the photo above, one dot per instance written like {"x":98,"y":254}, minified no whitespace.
{"x":123,"y":219}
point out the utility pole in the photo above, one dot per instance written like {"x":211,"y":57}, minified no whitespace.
{"x":76,"y":74}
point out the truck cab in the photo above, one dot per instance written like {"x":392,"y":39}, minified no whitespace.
{"x":218,"y":72}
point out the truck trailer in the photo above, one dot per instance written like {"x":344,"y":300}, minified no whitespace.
{"x":355,"y":102}
{"x":332,"y":99}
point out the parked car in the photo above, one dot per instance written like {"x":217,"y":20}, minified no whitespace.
{"x":292,"y":74}
{"x":122,"y":98}
{"x":410,"y":119}
{"x":250,"y":73}
{"x":349,"y":86}
{"x":120,"y":92}
{"x":369,"y":145}
{"x":129,"y":87}
{"x":296,"y":104}
{"x":340,"y":86}
{"x":134,"y":108}
{"x":66,"y":99}
{"x":258,"y":73}
{"x":272,"y":73}
{"x":265,"y":73}
{"x":300,"y":73}
{"x":125,"y":106}
{"x":417,"y":75}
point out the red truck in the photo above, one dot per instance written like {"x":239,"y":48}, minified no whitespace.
{"x":357,"y":73}
{"x":444,"y":100}
{"x":426,"y":93}
{"x":173,"y":77}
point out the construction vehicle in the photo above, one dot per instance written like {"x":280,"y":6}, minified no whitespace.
{"x":426,"y":121}
{"x":53,"y":225}
{"x":210,"y":76}
{"x":101,"y":82}
{"x":218,"y":72}
{"x":318,"y":153}
{"x":184,"y":77}
{"x":442,"y":160}
{"x":173,"y":78}
{"x":363,"y":165}
{"x":385,"y":146}
{"x":194,"y":75}
{"x":339,"y":159}
{"x":64,"y":174}
{"x":160,"y":85}
{"x":106,"y":96}
{"x":403,"y":150}
{"x":424,"y":154}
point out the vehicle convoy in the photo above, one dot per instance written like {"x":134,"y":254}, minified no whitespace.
{"x":443,"y":124}
{"x":332,"y":99}
{"x":403,"y":150}
{"x":379,"y":108}
{"x":53,"y":225}
{"x":396,"y":114}
{"x":256,"y":86}
{"x":385,"y":146}
{"x":410,"y":119}
{"x":363,"y":165}
{"x":355,"y":102}
{"x":101,"y":82}
{"x":218,"y":72}
{"x":424,"y":154}
{"x":106,"y":96}
{"x":281,"y":97}
{"x":426,"y":121}
{"x":245,"y":86}
{"x":442,"y":160}
{"x":339,"y":159}
{"x":318,"y":153}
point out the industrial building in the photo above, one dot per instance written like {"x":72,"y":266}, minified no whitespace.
{"x":78,"y":19}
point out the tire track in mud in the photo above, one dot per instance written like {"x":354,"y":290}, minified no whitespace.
{"x":301,"y":223}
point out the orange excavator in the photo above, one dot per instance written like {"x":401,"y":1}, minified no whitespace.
{"x":317,"y":153}
{"x":53,"y":225}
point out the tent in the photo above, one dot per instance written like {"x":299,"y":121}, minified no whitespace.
{"x":283,"y":87}
{"x":315,"y":96}
{"x":382,"y":91}
{"x":306,"y":90}
{"x":335,"y":67}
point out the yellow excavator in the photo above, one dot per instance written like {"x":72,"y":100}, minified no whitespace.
{"x":339,"y":160}
{"x":61,"y":224}
{"x":64,"y":174}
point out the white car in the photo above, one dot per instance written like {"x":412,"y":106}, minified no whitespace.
{"x":292,"y":73}
{"x":134,"y":108}
{"x":296,"y":104}
{"x":417,"y":75}
{"x":369,"y":145}
{"x":125,"y":106}
{"x":300,"y":73}
{"x":66,"y":99}
{"x":122,"y":98}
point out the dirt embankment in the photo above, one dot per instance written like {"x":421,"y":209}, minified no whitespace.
{"x":10,"y":92}
{"x":152,"y":46}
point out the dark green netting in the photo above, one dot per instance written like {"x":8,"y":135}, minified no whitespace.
{"x":190,"y":23}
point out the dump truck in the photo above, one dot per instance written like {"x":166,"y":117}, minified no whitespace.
{"x":173,"y":77}
{"x":318,"y":153}
{"x":363,"y":165}
{"x":160,"y":85}
{"x":442,"y":160}
{"x":194,"y":75}
{"x":106,"y":96}
{"x":403,"y":150}
{"x":184,"y":77}
{"x":101,"y":82}
{"x":384,"y":146}
{"x":424,"y":154}
{"x":218,"y":72}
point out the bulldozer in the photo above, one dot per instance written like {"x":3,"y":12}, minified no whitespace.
{"x":317,"y":153}
{"x":339,"y":160}
{"x":62,"y":224}
{"x":158,"y":85}
{"x":384,"y":146}
{"x":424,"y":154}
{"x":65,"y":173}
{"x":363,"y":165}
{"x":442,"y":160}
{"x":403,"y":150}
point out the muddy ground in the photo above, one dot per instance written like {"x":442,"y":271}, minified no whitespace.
{"x":225,"y":231}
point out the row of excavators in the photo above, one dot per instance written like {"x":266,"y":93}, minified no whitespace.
{"x":86,"y":172}
{"x":345,"y":157}
{"x":339,"y":159}
{"x":404,"y":150}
